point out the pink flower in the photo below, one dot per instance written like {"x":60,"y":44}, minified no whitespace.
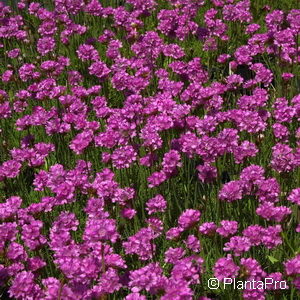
{"x":294,"y":196}
{"x":123,"y":157}
{"x":45,"y":45}
{"x":225,"y":268}
{"x":238,"y":245}
{"x":156,"y":179}
{"x":193,"y":243}
{"x":99,"y":69}
{"x":189,"y":218}
{"x":128,"y":213}
{"x":227,"y":228}
{"x":207,"y":228}
{"x":231,"y":191}
{"x":156,"y":204}
{"x":10,"y":169}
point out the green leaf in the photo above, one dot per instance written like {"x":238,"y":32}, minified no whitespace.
{"x":272,"y":259}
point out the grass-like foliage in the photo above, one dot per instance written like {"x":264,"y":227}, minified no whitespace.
{"x":147,"y":146}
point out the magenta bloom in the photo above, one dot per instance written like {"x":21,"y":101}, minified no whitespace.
{"x":189,"y":218}
{"x":207,"y":228}
{"x":294,"y":196}
{"x":238,"y":245}
{"x":45,"y":45}
{"x":225,"y":268}
{"x":81,"y":141}
{"x":10,"y":207}
{"x":165,"y":132}
{"x":207,"y":173}
{"x":268,"y":211}
{"x":14,"y":53}
{"x":123,"y":157}
{"x":172,"y":255}
{"x":87,"y":52}
{"x":292,"y":266}
{"x":283,"y":158}
{"x":174,"y":233}
{"x":135,"y":296}
{"x":171,"y":161}
{"x":99,"y":69}
{"x":254,"y":234}
{"x":231,"y":191}
{"x":193,"y":243}
{"x":287,"y":76}
{"x":156,"y":179}
{"x":128,"y":213}
{"x":271,"y":236}
{"x":156,"y":204}
{"x":150,"y":278}
{"x":227,"y":228}
{"x":10,"y":169}
{"x":101,"y":230}
{"x":141,"y":244}
{"x":24,"y":287}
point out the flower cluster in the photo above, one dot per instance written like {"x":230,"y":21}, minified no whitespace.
{"x":145,"y":145}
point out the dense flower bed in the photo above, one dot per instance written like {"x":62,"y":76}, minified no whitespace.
{"x":147,"y":146}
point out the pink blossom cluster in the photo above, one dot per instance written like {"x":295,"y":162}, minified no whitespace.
{"x":130,"y":167}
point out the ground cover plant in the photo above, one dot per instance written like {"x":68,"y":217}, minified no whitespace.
{"x":147,"y":146}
